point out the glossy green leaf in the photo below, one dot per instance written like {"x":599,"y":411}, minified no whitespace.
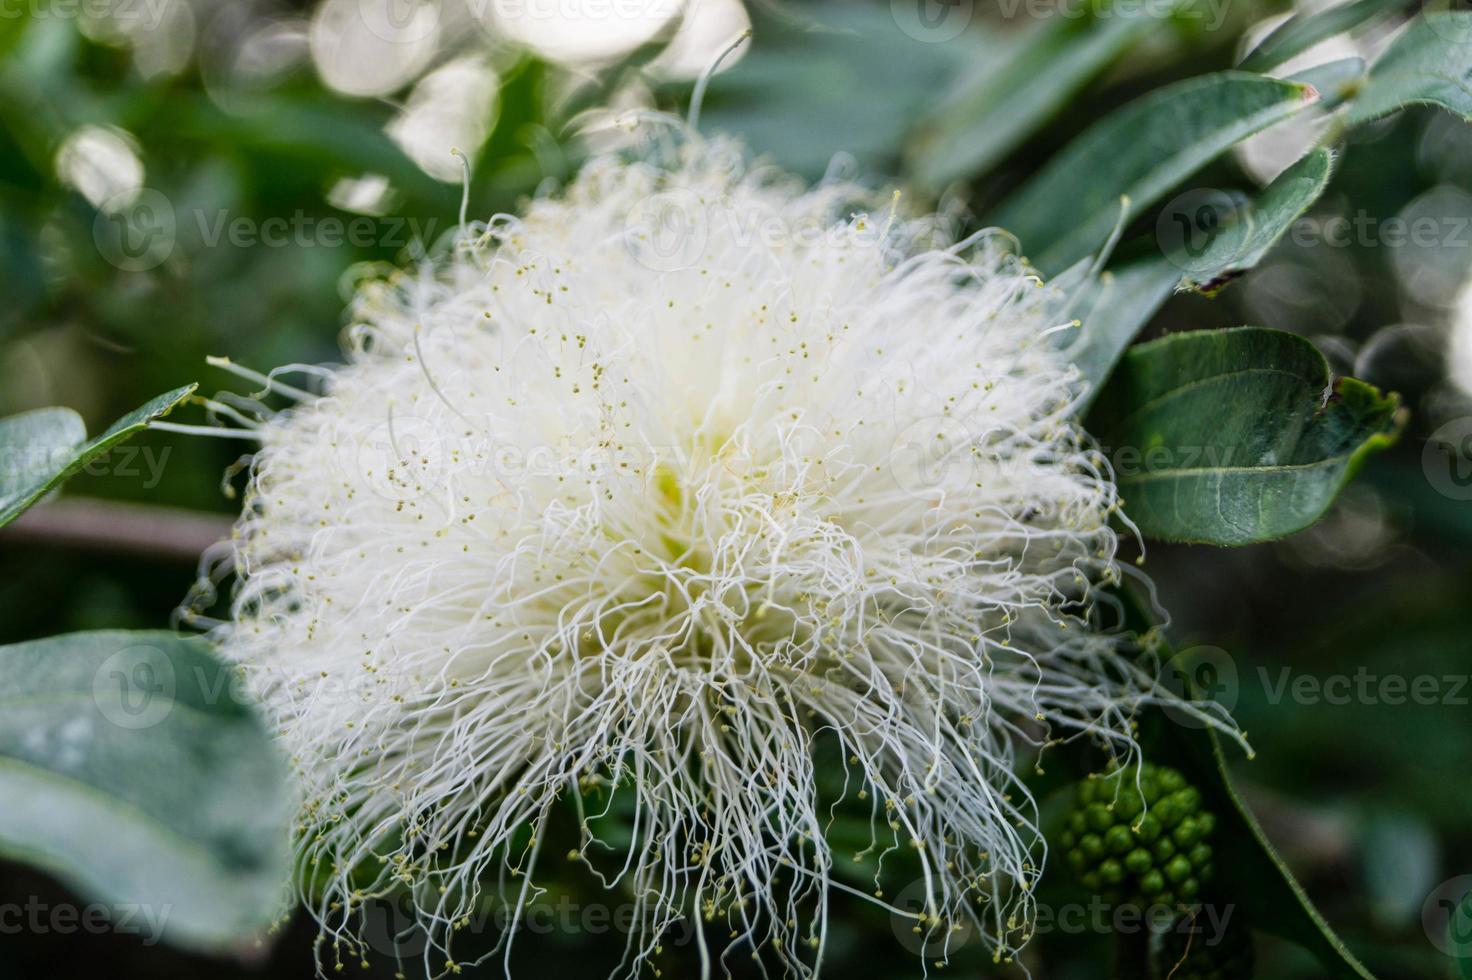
{"x":1133,"y":156}
{"x":1213,"y":245}
{"x":1429,"y":64}
{"x":1235,"y":436}
{"x":40,"y":450}
{"x":131,"y":772}
{"x":1304,"y":30}
{"x":1112,"y":311}
{"x":1015,"y":90}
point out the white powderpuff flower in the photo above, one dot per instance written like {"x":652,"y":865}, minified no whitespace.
{"x":705,"y":529}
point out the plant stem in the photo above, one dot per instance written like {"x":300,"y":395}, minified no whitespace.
{"x":164,"y":533}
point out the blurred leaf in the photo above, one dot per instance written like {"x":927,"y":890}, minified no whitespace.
{"x":1401,"y":858}
{"x":1304,"y":30}
{"x":1115,"y":308}
{"x":1139,"y":152}
{"x":1239,"y":241}
{"x":24,"y":276}
{"x":1430,"y":64}
{"x":853,"y":82}
{"x":321,"y":134}
{"x":1019,"y":84}
{"x":131,"y":773}
{"x":1239,"y":439}
{"x":40,"y":450}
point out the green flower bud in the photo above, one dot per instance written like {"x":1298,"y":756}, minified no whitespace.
{"x":1140,"y":836}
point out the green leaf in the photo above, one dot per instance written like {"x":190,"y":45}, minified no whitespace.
{"x":132,"y":773}
{"x":1429,"y":64}
{"x":1112,"y":310}
{"x":1304,"y":30}
{"x":40,"y":450}
{"x":1335,"y":81}
{"x":1014,"y":91}
{"x":1138,"y":153}
{"x":846,"y":78}
{"x":312,"y":131}
{"x":1214,"y":244}
{"x":1234,"y":436}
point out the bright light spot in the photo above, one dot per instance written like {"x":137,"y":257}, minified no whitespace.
{"x":373,"y":47}
{"x":583,"y":31}
{"x":709,"y":28}
{"x":1269,"y":153}
{"x":102,"y":164}
{"x":368,"y":194}
{"x":453,"y":107}
{"x":268,"y":53}
{"x":159,"y":32}
{"x":614,"y":126}
{"x":1459,"y":342}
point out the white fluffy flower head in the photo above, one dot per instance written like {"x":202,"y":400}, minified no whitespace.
{"x":701,"y":505}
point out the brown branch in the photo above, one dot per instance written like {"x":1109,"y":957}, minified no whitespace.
{"x":164,"y":533}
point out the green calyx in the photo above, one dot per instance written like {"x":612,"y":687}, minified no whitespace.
{"x":1140,"y":836}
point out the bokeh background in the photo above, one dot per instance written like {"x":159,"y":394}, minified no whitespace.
{"x":185,"y":178}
